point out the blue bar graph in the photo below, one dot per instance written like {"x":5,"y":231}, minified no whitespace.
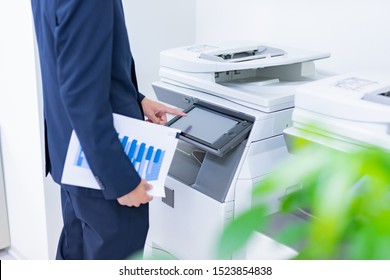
{"x":146,"y":159}
{"x":80,"y":159}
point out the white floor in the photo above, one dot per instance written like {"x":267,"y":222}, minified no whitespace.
{"x":5,"y":256}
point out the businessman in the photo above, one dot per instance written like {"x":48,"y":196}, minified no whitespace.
{"x":88,"y":74}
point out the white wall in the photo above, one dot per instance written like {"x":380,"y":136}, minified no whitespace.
{"x":20,"y":122}
{"x":155,"y":25}
{"x":355,"y":32}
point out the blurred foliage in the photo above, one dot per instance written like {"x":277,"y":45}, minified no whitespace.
{"x":346,"y":192}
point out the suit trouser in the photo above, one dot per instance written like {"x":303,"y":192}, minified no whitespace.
{"x":96,"y":228}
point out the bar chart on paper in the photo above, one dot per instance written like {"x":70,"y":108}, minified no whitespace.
{"x":146,"y":159}
{"x":151,"y":156}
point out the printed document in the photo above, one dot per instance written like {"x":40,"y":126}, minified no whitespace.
{"x":150,"y":148}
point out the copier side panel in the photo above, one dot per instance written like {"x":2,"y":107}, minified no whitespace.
{"x":273,"y":125}
{"x":190,"y":228}
{"x":263,"y":157}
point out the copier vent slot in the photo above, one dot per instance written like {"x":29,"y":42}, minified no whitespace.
{"x":382,"y":96}
{"x":241,"y":55}
{"x":387,"y":94}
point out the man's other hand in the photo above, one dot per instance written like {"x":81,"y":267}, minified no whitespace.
{"x":137,"y":196}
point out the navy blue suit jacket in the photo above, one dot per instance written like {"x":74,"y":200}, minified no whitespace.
{"x":87,"y":75}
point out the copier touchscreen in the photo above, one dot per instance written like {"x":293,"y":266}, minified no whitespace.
{"x":205,"y":125}
{"x":214,"y":131}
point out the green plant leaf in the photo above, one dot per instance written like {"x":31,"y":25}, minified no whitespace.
{"x":347,"y":192}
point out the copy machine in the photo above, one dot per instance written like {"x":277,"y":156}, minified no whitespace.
{"x":239,"y":98}
{"x":344,"y":112}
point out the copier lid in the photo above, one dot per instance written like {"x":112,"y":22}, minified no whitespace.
{"x":219,"y":57}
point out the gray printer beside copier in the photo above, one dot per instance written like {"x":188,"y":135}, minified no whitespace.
{"x":248,"y":84}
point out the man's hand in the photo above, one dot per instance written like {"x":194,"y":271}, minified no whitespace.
{"x":137,"y":196}
{"x":157,"y":112}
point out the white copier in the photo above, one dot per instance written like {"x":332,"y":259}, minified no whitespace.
{"x":345,"y":112}
{"x":239,"y":98}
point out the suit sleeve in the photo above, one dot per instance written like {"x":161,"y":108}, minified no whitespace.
{"x":134,"y":80}
{"x":84,"y":38}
